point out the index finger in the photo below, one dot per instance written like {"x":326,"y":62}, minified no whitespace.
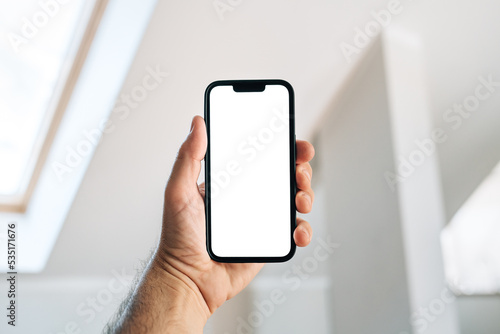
{"x":305,"y":151}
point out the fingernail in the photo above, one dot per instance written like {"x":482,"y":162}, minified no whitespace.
{"x":192,"y":125}
{"x":306,"y":234}
{"x":307,"y":197}
{"x":306,"y":173}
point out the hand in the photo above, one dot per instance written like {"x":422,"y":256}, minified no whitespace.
{"x":183,"y":286}
{"x":183,"y":247}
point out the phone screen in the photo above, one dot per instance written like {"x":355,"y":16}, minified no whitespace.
{"x":250,"y":170}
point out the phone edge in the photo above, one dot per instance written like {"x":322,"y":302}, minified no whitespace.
{"x":293,"y":185}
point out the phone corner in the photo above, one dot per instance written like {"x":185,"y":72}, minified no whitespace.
{"x":212,"y":255}
{"x":291,"y":254}
{"x":285,"y":84}
{"x":211,"y":86}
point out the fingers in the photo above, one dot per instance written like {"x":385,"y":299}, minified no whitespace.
{"x":188,"y":163}
{"x":303,"y":175}
{"x":303,"y":233}
{"x":304,"y":200}
{"x":305,"y":195}
{"x":305,"y":151}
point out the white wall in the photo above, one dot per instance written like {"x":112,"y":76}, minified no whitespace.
{"x":368,"y":274}
{"x":479,"y":314}
{"x":460,"y":44}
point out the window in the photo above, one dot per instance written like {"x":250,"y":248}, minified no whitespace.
{"x":40,"y":53}
{"x":115,"y":29}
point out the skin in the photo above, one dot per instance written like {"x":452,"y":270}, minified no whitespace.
{"x":182,"y":287}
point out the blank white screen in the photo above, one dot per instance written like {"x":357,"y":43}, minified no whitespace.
{"x":250,"y":172}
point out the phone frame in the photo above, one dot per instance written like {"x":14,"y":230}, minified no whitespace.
{"x":252,"y":86}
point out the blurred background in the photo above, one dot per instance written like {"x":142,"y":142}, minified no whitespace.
{"x":401,"y":99}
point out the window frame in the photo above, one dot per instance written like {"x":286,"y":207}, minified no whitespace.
{"x":71,"y":69}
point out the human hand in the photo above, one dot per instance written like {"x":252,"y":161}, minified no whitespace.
{"x":183,"y":286}
{"x":183,"y":245}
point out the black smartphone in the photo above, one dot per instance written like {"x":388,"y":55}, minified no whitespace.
{"x":250,"y":171}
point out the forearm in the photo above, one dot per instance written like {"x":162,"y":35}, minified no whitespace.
{"x":164,"y":301}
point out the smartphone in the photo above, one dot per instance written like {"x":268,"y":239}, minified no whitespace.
{"x":250,"y":182}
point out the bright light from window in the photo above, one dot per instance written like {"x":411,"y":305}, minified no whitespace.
{"x":471,"y":242}
{"x":36,"y":46}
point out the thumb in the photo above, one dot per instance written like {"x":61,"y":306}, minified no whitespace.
{"x":187,"y":166}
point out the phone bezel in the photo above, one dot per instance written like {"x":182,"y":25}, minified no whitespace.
{"x":293,"y":186}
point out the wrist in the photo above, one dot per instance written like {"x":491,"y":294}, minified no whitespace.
{"x":186,"y":309}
